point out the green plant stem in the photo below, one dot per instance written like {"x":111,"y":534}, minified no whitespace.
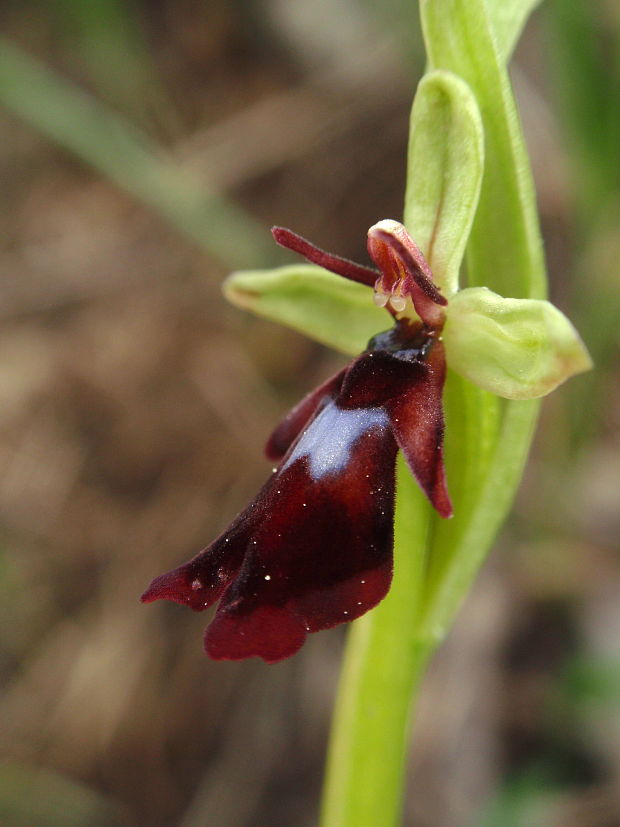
{"x":486,"y":447}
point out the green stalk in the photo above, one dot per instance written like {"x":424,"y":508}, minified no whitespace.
{"x":487,"y":442}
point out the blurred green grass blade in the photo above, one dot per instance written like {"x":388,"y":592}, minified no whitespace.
{"x":109,"y":41}
{"x":586,"y":66}
{"x":100,"y":137}
{"x":584,"y":63}
{"x":336,"y":312}
{"x":589,"y":683}
{"x":525,"y":800}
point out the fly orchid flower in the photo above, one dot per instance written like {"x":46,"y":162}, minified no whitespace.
{"x":314,"y":549}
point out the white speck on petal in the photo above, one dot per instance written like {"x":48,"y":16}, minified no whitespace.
{"x":196,"y":584}
{"x":267,"y":577}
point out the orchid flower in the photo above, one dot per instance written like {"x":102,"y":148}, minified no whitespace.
{"x":314,"y":549}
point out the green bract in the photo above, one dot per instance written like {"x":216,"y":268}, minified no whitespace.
{"x":444,"y":173}
{"x":516,"y":348}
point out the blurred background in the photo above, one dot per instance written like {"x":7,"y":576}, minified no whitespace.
{"x":146,"y":147}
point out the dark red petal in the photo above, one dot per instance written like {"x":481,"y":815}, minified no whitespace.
{"x":288,"y":430}
{"x":416,"y":416}
{"x":202,"y":581}
{"x":322,"y":552}
{"x":375,"y":377}
{"x":270,"y":632}
{"x":335,"y":264}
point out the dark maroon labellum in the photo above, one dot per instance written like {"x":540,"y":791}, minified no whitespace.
{"x":314,"y":549}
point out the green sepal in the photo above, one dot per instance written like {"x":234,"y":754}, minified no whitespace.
{"x":332,"y":310}
{"x":515,"y":348}
{"x":444,"y":173}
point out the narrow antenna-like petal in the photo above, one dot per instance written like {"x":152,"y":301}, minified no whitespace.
{"x":336,"y":264}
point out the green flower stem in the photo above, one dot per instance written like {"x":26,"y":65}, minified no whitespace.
{"x":383,"y":664}
{"x":487,"y":441}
